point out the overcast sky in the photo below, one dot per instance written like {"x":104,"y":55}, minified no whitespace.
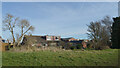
{"x":67,"y":19}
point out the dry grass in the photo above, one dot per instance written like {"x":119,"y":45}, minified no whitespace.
{"x":34,"y":49}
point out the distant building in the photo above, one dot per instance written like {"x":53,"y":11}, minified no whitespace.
{"x":3,"y":45}
{"x":75,"y":41}
{"x":42,"y":40}
{"x":51,"y":41}
{"x":69,"y":39}
{"x":86,"y":41}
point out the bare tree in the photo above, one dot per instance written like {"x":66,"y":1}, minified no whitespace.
{"x":94,"y":33}
{"x":108,"y":23}
{"x":24,"y":27}
{"x":9,"y":23}
{"x":100,"y":32}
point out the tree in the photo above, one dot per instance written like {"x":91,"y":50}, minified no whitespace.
{"x":25,"y":27}
{"x":100,"y":32}
{"x":107,"y":22}
{"x":116,"y":33}
{"x":10,"y":23}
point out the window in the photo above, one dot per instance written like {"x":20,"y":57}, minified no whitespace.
{"x":49,"y":38}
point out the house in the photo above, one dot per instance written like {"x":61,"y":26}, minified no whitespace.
{"x":73,"y":39}
{"x":86,"y":40}
{"x":84,"y":44}
{"x":41,"y":40}
{"x":69,"y":39}
{"x":75,"y":42}
{"x":3,"y":45}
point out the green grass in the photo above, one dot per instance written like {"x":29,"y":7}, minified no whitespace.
{"x":62,"y":58}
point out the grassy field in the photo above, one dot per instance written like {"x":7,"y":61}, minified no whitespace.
{"x":107,"y":57}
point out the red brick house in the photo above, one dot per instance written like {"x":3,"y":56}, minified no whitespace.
{"x":73,"y":39}
{"x":69,"y":39}
{"x":75,"y":42}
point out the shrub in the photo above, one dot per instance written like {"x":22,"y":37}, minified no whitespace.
{"x":67,"y":45}
{"x":73,"y":47}
{"x":79,"y":46}
{"x":104,"y":47}
{"x":89,"y":45}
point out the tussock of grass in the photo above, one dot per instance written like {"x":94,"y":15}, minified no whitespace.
{"x":60,"y":57}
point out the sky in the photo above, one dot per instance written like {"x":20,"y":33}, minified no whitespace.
{"x":0,"y":19}
{"x":60,"y":0}
{"x":65,"y":19}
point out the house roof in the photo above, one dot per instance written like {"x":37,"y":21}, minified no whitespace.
{"x":66,"y":38}
{"x":37,"y":39}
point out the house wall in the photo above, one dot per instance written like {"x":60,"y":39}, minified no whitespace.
{"x":42,"y":40}
{"x":53,"y":38}
{"x":49,"y":38}
{"x":4,"y":47}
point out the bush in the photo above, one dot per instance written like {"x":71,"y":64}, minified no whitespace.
{"x":104,"y":47}
{"x":67,"y":45}
{"x":73,"y":47}
{"x":79,"y":46}
{"x":89,"y":45}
